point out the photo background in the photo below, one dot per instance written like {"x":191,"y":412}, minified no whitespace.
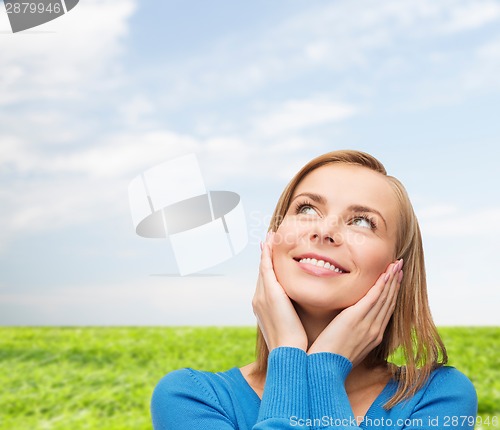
{"x":255,"y":90}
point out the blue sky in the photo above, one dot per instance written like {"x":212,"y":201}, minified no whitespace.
{"x":255,"y":90}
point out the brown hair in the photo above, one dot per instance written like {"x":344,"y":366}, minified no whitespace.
{"x":411,"y":331}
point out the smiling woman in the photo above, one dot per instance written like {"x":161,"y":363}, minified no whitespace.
{"x":332,"y":304}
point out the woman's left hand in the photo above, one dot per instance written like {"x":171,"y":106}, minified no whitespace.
{"x":358,"y":329}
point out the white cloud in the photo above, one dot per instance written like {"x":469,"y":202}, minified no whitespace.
{"x":450,"y":221}
{"x":489,"y":50}
{"x":295,"y":115}
{"x":471,"y":15}
{"x":113,"y":156}
{"x":483,"y":73}
{"x":78,"y":186}
{"x":70,"y":55}
{"x":430,"y":212}
{"x":136,"y":110}
{"x":54,"y":204}
{"x":377,"y":39}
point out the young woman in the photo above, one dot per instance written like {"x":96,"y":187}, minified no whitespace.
{"x":341,"y":287}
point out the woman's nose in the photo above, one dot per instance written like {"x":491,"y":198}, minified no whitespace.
{"x":327,"y":232}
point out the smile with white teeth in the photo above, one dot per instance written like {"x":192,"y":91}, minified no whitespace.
{"x":321,"y":263}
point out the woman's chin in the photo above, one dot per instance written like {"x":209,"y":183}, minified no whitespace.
{"x":316,"y":306}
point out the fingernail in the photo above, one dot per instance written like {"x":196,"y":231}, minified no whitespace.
{"x":400,"y":276}
{"x":261,"y":246}
{"x":386,"y":277}
{"x":400,"y":264}
{"x":395,"y":268}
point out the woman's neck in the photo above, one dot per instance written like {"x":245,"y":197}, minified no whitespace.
{"x":314,"y":321}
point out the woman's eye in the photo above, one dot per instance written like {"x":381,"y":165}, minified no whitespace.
{"x":307,"y":210}
{"x":362,"y":222}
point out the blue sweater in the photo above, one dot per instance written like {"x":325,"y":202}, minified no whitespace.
{"x":305,"y":391}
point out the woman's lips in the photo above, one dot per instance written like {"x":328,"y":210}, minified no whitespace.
{"x":315,"y":270}
{"x":320,"y":260}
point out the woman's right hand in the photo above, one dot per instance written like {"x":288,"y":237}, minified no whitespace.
{"x":276,"y":316}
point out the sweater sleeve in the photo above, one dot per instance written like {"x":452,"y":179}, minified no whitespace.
{"x":285,"y":400}
{"x":329,"y":404}
{"x":450,"y":401}
{"x":304,"y":391}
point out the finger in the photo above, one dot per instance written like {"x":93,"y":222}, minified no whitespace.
{"x":265,"y":260}
{"x":387,"y":310}
{"x":259,"y":289}
{"x":269,"y":290}
{"x":267,"y":268}
{"x":269,"y":242}
{"x":364,"y":306}
{"x":392,"y":305}
{"x":390,"y":287}
{"x":396,"y":283}
{"x":374,"y":299}
{"x":384,"y":288}
{"x":379,"y":315}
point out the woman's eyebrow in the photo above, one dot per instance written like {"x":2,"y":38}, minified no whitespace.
{"x":315,"y":197}
{"x":360,"y":208}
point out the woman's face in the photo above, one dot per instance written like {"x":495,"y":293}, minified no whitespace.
{"x":337,"y":237}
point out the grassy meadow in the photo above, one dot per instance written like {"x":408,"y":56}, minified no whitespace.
{"x":102,"y":378}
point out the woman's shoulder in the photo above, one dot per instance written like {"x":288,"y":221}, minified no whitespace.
{"x":189,"y":381}
{"x":450,"y":378}
{"x":189,"y":394}
{"x":184,"y":393}
{"x":192,"y":384}
{"x":449,"y":386}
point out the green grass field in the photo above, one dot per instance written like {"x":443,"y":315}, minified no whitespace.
{"x":102,"y":378}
